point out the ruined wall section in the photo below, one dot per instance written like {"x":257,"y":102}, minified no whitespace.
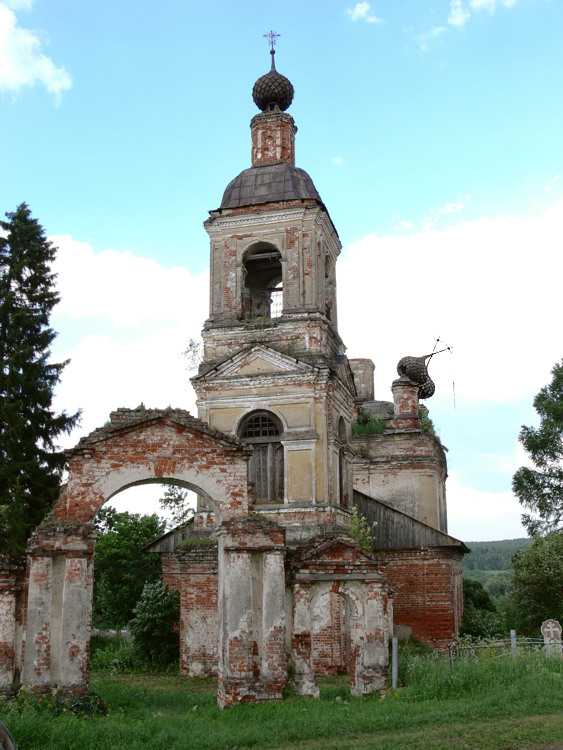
{"x":13,"y":599}
{"x":428,"y":600}
{"x":192,"y":570}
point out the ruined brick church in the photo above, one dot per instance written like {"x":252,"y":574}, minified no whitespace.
{"x":273,"y":585}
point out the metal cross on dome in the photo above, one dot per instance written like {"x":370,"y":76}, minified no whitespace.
{"x":272,"y":38}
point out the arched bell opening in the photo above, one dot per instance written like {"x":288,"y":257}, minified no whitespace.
{"x":262,"y":431}
{"x":263,"y":289}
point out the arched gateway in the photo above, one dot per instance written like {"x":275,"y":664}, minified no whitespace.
{"x":133,"y":448}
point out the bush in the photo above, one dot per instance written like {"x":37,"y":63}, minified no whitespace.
{"x":480,"y":617}
{"x":155,"y":625}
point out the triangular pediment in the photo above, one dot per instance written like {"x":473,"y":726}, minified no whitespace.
{"x":138,"y":420}
{"x":257,"y":360}
{"x":341,"y":548}
{"x":339,"y":557}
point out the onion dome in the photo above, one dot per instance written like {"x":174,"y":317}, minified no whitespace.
{"x":416,"y":370}
{"x":272,"y":90}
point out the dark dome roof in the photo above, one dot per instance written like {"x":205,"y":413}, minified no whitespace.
{"x":272,"y":89}
{"x":269,"y":183}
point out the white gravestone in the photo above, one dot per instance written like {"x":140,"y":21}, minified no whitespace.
{"x":551,"y":631}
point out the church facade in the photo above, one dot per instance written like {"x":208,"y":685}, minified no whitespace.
{"x":275,"y":376}
{"x":288,"y":447}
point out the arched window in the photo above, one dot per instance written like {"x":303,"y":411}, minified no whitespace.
{"x":263,"y":291}
{"x":262,"y":431}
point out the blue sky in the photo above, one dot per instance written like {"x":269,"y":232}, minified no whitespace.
{"x":432,"y":130}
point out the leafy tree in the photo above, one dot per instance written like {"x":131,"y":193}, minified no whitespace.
{"x":120,"y":567}
{"x":480,"y":617}
{"x":176,"y":501}
{"x":537,"y":588}
{"x":155,"y":625}
{"x":541,"y":489}
{"x":30,"y":464}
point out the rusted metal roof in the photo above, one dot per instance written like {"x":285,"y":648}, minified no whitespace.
{"x":269,"y":183}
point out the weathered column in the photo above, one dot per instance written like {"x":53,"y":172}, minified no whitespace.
{"x":59,"y":607}
{"x":370,"y":642}
{"x":76,"y":617}
{"x":236,"y":678}
{"x":37,"y":663}
{"x":252,"y":661}
{"x":273,"y":668}
{"x":301,"y":641}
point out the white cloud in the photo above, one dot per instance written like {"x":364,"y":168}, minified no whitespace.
{"x":477,"y":515}
{"x":105,"y":374}
{"x":121,"y":287}
{"x":402,"y":225}
{"x":18,"y":4}
{"x":489,"y":288}
{"x":449,"y":208}
{"x":424,"y":39}
{"x":361,"y":12}
{"x":458,"y":14}
{"x":22,"y":63}
{"x":338,"y":160}
{"x":122,"y":367}
{"x":490,"y":5}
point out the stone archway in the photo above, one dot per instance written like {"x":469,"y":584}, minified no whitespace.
{"x":133,"y":448}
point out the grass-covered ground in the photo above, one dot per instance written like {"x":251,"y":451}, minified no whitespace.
{"x":495,"y":704}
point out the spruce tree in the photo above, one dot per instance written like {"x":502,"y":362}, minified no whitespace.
{"x":30,"y":463}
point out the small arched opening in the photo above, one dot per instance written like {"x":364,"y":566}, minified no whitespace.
{"x":263,"y":289}
{"x":261,"y":431}
{"x":337,"y":615}
{"x":331,"y":634}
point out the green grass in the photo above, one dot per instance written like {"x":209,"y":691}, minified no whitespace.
{"x":495,"y":704}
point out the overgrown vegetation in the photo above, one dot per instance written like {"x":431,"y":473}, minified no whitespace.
{"x":361,"y":530}
{"x":155,"y":625}
{"x":537,"y":588}
{"x":426,"y":424}
{"x":367,"y":424}
{"x":155,"y":632}
{"x":480,"y":616}
{"x":121,"y":569}
{"x":494,"y":703}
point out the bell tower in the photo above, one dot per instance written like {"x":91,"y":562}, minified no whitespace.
{"x":274,"y":371}
{"x":273,"y":245}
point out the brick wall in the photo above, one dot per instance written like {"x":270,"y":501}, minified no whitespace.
{"x":428,"y":600}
